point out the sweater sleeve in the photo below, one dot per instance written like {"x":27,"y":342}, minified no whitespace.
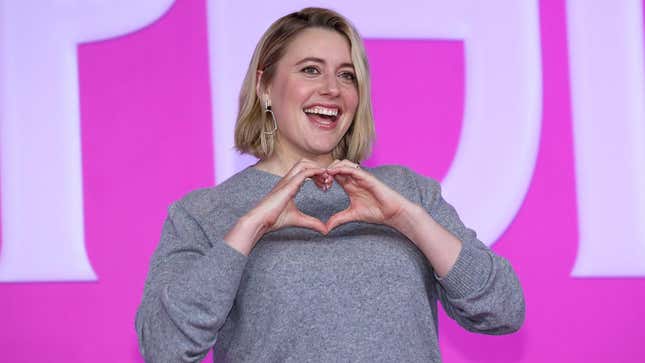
{"x":189,"y":291}
{"x":481,"y":291}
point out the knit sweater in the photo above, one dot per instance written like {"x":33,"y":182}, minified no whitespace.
{"x":362,"y":293}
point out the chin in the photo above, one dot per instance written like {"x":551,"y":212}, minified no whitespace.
{"x":321,"y":151}
{"x":320,"y":147}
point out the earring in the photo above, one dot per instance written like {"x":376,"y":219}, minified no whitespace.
{"x":267,"y":108}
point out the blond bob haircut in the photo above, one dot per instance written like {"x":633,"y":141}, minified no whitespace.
{"x":253,"y":126}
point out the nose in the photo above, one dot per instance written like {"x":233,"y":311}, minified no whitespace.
{"x":330,"y":85}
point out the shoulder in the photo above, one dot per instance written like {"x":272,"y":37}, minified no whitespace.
{"x":412,"y":185}
{"x":402,"y":177}
{"x":225,"y":197}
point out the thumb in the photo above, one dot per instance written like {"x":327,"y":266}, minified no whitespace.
{"x":302,"y":220}
{"x":340,"y":218}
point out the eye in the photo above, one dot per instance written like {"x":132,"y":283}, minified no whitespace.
{"x":310,"y":70}
{"x":348,"y":76}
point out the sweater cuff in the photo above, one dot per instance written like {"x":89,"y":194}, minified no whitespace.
{"x":218,"y":273}
{"x":469,"y":274}
{"x":221,"y":248}
{"x":227,"y":261}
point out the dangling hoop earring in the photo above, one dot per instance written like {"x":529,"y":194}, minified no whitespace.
{"x":267,"y":108}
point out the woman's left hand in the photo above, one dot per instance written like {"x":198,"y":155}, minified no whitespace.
{"x":369,"y":199}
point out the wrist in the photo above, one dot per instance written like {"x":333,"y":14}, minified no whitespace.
{"x":410,"y":219}
{"x":245,"y":233}
{"x":254,"y":224}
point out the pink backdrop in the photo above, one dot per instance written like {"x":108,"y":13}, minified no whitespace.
{"x":146,"y":140}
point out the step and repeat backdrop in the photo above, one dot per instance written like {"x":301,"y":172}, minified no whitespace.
{"x":530,"y":113}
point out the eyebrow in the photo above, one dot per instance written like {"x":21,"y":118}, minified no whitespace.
{"x":322,"y":61}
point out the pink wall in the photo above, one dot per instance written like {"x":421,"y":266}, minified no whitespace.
{"x":145,"y":109}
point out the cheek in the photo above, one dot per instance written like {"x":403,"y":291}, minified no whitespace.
{"x":287,"y":102}
{"x":352,"y":102}
{"x":287,"y":89}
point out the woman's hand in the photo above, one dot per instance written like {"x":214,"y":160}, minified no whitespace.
{"x":278,"y":209}
{"x":372,"y":201}
{"x":369,"y":199}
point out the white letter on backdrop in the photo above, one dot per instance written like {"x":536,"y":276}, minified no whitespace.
{"x":608,"y":100}
{"x":40,"y":146}
{"x":492,"y":169}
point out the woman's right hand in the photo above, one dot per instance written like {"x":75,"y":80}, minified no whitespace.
{"x":278,"y":209}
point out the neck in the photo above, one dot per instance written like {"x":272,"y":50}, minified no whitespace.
{"x":281,"y":163}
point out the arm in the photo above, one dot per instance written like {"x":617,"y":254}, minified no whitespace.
{"x":189,"y":291}
{"x":193,"y":281}
{"x":480,"y":290}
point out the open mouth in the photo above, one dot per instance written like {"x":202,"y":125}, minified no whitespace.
{"x":323,"y":116}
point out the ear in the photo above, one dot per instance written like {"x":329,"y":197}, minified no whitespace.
{"x":260,"y":89}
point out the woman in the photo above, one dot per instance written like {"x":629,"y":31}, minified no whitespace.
{"x":306,"y":256}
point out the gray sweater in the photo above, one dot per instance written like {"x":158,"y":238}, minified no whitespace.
{"x":363,"y":293}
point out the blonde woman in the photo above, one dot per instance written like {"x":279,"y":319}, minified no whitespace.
{"x":306,"y":256}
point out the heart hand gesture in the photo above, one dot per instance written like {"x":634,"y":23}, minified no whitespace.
{"x":278,"y":209}
{"x":369,"y":199}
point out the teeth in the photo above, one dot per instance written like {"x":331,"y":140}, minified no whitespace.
{"x":322,"y":111}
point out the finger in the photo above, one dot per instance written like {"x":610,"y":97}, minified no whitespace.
{"x":345,"y":175}
{"x":334,"y":163}
{"x":289,"y":186}
{"x":343,"y":180}
{"x":347,"y":168}
{"x":330,"y":179}
{"x":345,"y":162}
{"x":294,"y":183}
{"x":349,"y":176}
{"x":303,"y":164}
{"x":323,"y":181}
{"x":299,"y":166}
{"x":339,"y":218}
{"x":327,"y":180}
{"x":346,"y":171}
{"x":303,"y":220}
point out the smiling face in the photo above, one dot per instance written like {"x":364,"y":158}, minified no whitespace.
{"x":313,"y":95}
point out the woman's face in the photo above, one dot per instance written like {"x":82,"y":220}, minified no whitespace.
{"x":313,"y":94}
